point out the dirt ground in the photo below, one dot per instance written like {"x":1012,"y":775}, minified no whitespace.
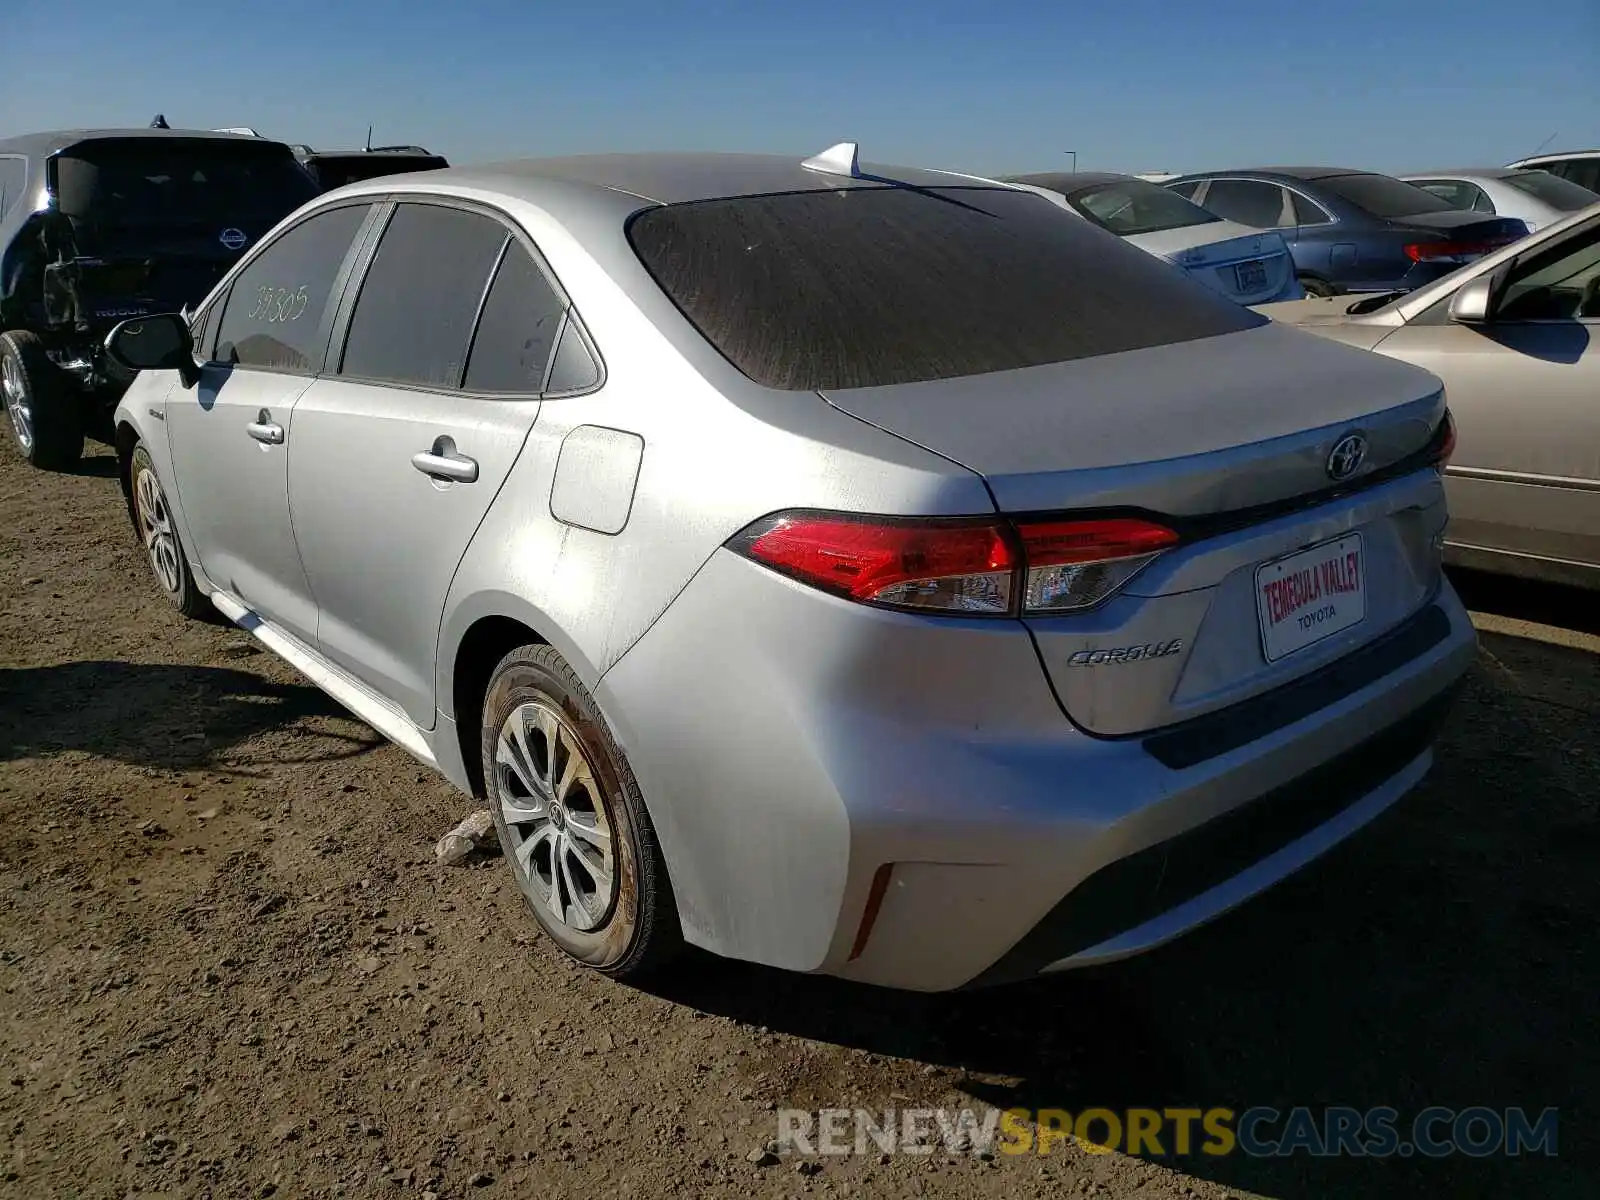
{"x":229,"y":965}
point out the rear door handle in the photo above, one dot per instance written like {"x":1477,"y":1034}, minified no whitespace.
{"x":444,"y":462}
{"x":264,"y":429}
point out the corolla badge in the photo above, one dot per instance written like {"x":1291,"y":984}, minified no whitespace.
{"x":232,"y":239}
{"x":1346,"y":457}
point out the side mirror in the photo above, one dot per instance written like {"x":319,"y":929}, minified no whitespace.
{"x":1472,"y":302}
{"x":159,"y":343}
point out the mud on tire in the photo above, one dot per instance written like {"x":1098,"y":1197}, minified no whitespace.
{"x":571,"y":820}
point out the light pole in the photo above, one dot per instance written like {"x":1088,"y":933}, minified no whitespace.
{"x":1074,"y":154}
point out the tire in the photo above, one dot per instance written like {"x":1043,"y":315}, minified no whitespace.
{"x":1317,"y":287}
{"x":626,"y":924}
{"x":41,"y":409}
{"x":152,"y":518}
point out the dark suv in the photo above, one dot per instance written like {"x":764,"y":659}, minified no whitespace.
{"x":100,"y":225}
{"x":335,"y":168}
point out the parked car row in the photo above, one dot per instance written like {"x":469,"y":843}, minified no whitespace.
{"x":742,"y":529}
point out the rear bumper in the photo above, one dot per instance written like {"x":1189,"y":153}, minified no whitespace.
{"x":794,"y":749}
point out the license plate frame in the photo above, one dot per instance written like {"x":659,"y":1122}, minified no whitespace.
{"x":1324,"y":583}
{"x":1250,"y":276}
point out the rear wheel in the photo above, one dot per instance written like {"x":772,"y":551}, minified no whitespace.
{"x":1317,"y":287}
{"x":571,"y":819}
{"x":40,"y":405}
{"x":152,"y":517}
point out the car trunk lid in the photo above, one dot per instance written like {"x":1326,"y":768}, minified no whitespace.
{"x":1247,"y":266}
{"x":1239,"y":461}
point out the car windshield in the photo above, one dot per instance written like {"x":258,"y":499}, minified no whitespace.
{"x":1382,"y":196}
{"x":1558,"y":193}
{"x":1133,"y":206}
{"x":158,"y":181}
{"x":866,"y":286}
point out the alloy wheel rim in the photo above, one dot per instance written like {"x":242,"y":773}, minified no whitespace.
{"x":550,"y":800}
{"x":155,"y":525}
{"x":16,"y":397}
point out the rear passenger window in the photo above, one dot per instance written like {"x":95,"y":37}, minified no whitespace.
{"x":518,"y":328}
{"x":1308,"y":212}
{"x":1187,"y":190}
{"x":275,"y":308}
{"x":1250,"y":202}
{"x":13,"y":177}
{"x":413,"y":318}
{"x":574,"y":369}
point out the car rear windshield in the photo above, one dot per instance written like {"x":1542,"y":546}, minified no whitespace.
{"x":1383,"y":196}
{"x":1558,"y":193}
{"x":1130,"y":207}
{"x":867,"y":286}
{"x":166,"y":180}
{"x":335,"y":172}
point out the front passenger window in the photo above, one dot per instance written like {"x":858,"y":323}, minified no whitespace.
{"x":275,"y":308}
{"x":1559,"y":285}
{"x":1249,"y":202}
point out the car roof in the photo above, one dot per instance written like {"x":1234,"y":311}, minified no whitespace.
{"x":1071,"y":181}
{"x":1307,"y":173}
{"x":1466,"y":173}
{"x":667,"y":178}
{"x":42,"y":145}
{"x":1534,"y":160}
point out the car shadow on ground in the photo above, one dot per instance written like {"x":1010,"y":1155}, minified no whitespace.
{"x":1444,"y":956}
{"x":99,"y":466}
{"x":157,"y":715}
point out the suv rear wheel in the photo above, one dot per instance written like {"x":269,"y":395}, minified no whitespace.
{"x":40,"y":406}
{"x":571,"y":820}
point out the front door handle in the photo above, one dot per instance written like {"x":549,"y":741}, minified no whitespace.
{"x":443,"y":461}
{"x":265,"y":430}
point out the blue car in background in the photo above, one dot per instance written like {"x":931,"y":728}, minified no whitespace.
{"x":1352,"y":231}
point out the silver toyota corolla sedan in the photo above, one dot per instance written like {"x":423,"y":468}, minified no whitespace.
{"x":855,"y":571}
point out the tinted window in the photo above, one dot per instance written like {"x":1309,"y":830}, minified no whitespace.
{"x":1557,"y":193}
{"x":333,"y":171}
{"x":274,"y":317}
{"x":152,"y":181}
{"x":1186,"y":190}
{"x":1382,"y":196}
{"x":1249,"y":202}
{"x":1308,"y":212}
{"x":13,"y":176}
{"x":574,"y":368}
{"x":1128,"y":207}
{"x":518,"y":327}
{"x":413,"y":319}
{"x":857,"y":287}
{"x":1457,"y":193}
{"x":1552,"y":286}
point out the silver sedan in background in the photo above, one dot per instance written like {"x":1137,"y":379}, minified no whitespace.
{"x":854,"y":571}
{"x":1516,"y":339}
{"x":1537,"y":198}
{"x":1250,"y":266}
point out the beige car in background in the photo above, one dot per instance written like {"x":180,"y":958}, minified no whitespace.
{"x":1516,"y":339}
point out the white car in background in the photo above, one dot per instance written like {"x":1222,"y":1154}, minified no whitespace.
{"x":1250,"y":266}
{"x":1535,"y":197}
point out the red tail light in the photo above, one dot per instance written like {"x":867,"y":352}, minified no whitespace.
{"x":1077,"y":564}
{"x":1447,"y":441}
{"x":984,"y":567}
{"x":1454,"y":252}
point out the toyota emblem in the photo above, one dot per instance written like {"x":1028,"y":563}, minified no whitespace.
{"x":1346,"y":457}
{"x":232,"y":239}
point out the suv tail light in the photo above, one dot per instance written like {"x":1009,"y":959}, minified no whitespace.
{"x":974,"y":567}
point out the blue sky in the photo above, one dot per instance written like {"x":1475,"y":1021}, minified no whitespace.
{"x":982,"y":85}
